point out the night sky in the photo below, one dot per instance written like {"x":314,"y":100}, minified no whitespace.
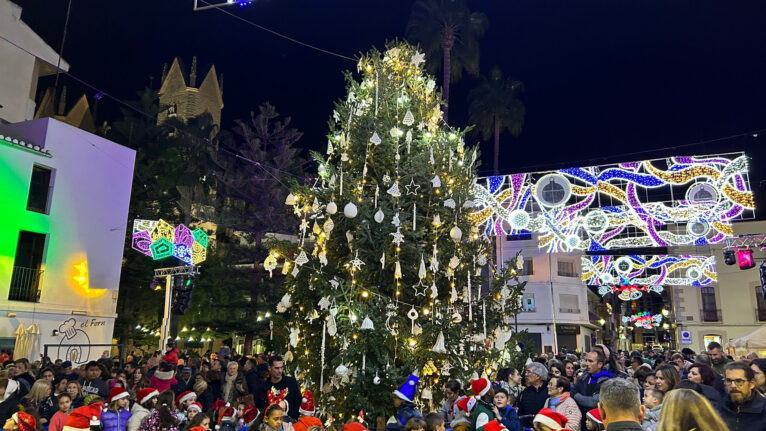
{"x":602,"y":78}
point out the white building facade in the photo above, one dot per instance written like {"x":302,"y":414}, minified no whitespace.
{"x":64,"y":217}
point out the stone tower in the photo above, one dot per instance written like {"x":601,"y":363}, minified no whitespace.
{"x":182,"y":101}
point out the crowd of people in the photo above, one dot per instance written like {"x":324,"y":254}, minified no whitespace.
{"x":596,"y":391}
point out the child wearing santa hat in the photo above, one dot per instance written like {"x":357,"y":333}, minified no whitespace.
{"x":593,"y":421}
{"x":404,"y":402}
{"x":163,"y":417}
{"x":146,"y":401}
{"x":549,"y":420}
{"x":462,"y":420}
{"x":183,"y":400}
{"x":484,"y":394}
{"x":21,"y":421}
{"x":115,"y":417}
{"x":306,"y":411}
{"x":191,"y":411}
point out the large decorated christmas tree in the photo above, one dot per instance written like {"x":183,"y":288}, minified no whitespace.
{"x":390,"y":276}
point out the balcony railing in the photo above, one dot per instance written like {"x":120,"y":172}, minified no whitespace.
{"x":710,"y":315}
{"x":760,"y":315}
{"x":25,"y":284}
{"x":569,"y":310}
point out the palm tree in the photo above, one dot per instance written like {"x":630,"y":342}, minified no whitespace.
{"x":494,"y":106}
{"x":448,"y":28}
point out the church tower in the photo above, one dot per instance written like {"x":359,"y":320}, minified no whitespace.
{"x":184,"y":101}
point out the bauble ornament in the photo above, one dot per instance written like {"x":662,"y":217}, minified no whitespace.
{"x":332,"y":208}
{"x":350,"y":210}
{"x":456,"y":234}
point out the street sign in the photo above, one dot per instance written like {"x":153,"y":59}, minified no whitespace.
{"x":686,"y":337}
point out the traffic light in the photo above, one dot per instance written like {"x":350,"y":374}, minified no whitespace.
{"x":182,"y":294}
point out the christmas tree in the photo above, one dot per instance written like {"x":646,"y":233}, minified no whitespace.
{"x":389,"y":275}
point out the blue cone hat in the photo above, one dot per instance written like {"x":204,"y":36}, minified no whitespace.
{"x":407,"y":390}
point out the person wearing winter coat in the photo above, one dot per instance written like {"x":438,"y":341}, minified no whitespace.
{"x":653,"y":404}
{"x":233,"y":384}
{"x":146,"y":401}
{"x":163,"y":378}
{"x":171,"y":354}
{"x":742,"y":409}
{"x":560,"y":401}
{"x":505,"y":413}
{"x":40,"y":398}
{"x":163,"y":416}
{"x":10,"y":398}
{"x":116,"y":416}
{"x":453,"y":392}
{"x":586,"y":391}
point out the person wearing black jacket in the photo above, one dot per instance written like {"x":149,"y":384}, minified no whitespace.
{"x":185,"y":379}
{"x":93,"y":383}
{"x":532,"y":398}
{"x":10,"y":398}
{"x":278,"y":382}
{"x":252,"y":377}
{"x":742,"y":408}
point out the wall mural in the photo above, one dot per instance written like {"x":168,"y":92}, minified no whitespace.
{"x":75,"y":341}
{"x":653,"y":203}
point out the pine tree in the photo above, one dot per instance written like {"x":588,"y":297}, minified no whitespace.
{"x":390,"y":275}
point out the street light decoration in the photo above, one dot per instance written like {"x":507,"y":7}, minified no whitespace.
{"x":644,"y":320}
{"x":652,"y":270}
{"x":159,"y":240}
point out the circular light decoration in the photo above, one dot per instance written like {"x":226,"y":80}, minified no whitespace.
{"x":596,"y":222}
{"x":623,"y":265}
{"x":698,"y":228}
{"x":694,"y":272}
{"x":553,"y":190}
{"x":519,"y":219}
{"x":701,"y":193}
{"x":573,"y":241}
{"x":606,"y":278}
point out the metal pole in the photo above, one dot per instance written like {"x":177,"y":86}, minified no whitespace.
{"x":166,"y":313}
{"x":553,"y":306}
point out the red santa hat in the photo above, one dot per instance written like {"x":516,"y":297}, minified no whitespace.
{"x":197,"y":428}
{"x":354,"y":426}
{"x":116,"y":394}
{"x":146,"y":394}
{"x":595,"y":416}
{"x":79,"y":419}
{"x":466,"y":404}
{"x":24,"y":421}
{"x":186,"y":395}
{"x":480,"y":386}
{"x":249,"y":414}
{"x":494,"y":425}
{"x":551,"y":419}
{"x":307,"y":407}
{"x":228,"y":414}
{"x":196,"y":406}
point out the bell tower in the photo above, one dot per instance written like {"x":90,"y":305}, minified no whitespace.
{"x":181,"y":98}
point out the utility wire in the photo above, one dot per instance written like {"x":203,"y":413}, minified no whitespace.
{"x":61,"y":49}
{"x":275,"y":33}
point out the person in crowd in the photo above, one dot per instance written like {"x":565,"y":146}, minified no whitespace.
{"x":404,"y":402}
{"x":435,"y":422}
{"x":586,"y":391}
{"x":163,"y":378}
{"x":59,"y":385}
{"x":307,"y":411}
{"x":137,"y":380}
{"x":513,"y":382}
{"x":504,"y":412}
{"x":163,"y":417}
{"x":667,"y":378}
{"x":171,"y":354}
{"x":620,"y":406}
{"x":10,"y":398}
{"x":64,"y":408}
{"x":22,"y":374}
{"x":47,"y":374}
{"x":559,"y":400}
{"x":66,"y":370}
{"x":533,"y":397}
{"x":453,"y":392}
{"x":653,"y":405}
{"x":22,"y":421}
{"x":74,"y":390}
{"x":252,"y":378}
{"x":415,"y":424}
{"x":199,"y":420}
{"x":462,"y":420}
{"x":485,"y":398}
{"x":146,"y":402}
{"x":273,"y":419}
{"x":183,"y":401}
{"x":593,"y":421}
{"x":278,"y":381}
{"x":184,"y":380}
{"x":717,"y":357}
{"x":234,"y":384}
{"x":116,"y":415}
{"x":742,"y":408}
{"x":759,"y":369}
{"x":205,"y":395}
{"x":191,"y":411}
{"x":93,"y":383}
{"x":41,"y":398}
{"x":684,"y":410}
{"x":610,"y":361}
{"x":548,"y":420}
{"x":703,"y":375}
{"x":570,"y":369}
{"x":556,"y":368}
{"x":681,"y":364}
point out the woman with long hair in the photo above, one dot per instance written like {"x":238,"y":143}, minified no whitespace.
{"x":163,"y":418}
{"x":59,"y":385}
{"x":74,"y":390}
{"x":685,"y":409}
{"x":146,"y":402}
{"x":453,"y":392}
{"x":199,"y":420}
{"x":40,"y":398}
{"x":667,"y":378}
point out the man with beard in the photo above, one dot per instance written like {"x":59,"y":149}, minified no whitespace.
{"x":743,"y":408}
{"x":719,"y":360}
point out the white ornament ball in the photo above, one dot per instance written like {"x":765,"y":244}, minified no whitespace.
{"x":350,"y":210}
{"x":456,"y":234}
{"x":332,"y":208}
{"x":376,"y":380}
{"x":379,"y":216}
{"x":341,"y":370}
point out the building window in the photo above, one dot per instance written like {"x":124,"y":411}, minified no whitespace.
{"x":39,"y":189}
{"x":709,"y":311}
{"x":528,"y":266}
{"x":528,"y":302}
{"x":27,"y":275}
{"x":568,"y":304}
{"x":760,"y":305}
{"x":566,"y":269}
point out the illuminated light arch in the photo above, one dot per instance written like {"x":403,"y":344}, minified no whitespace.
{"x":657,"y":270}
{"x":160,"y":240}
{"x":638,"y":204}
